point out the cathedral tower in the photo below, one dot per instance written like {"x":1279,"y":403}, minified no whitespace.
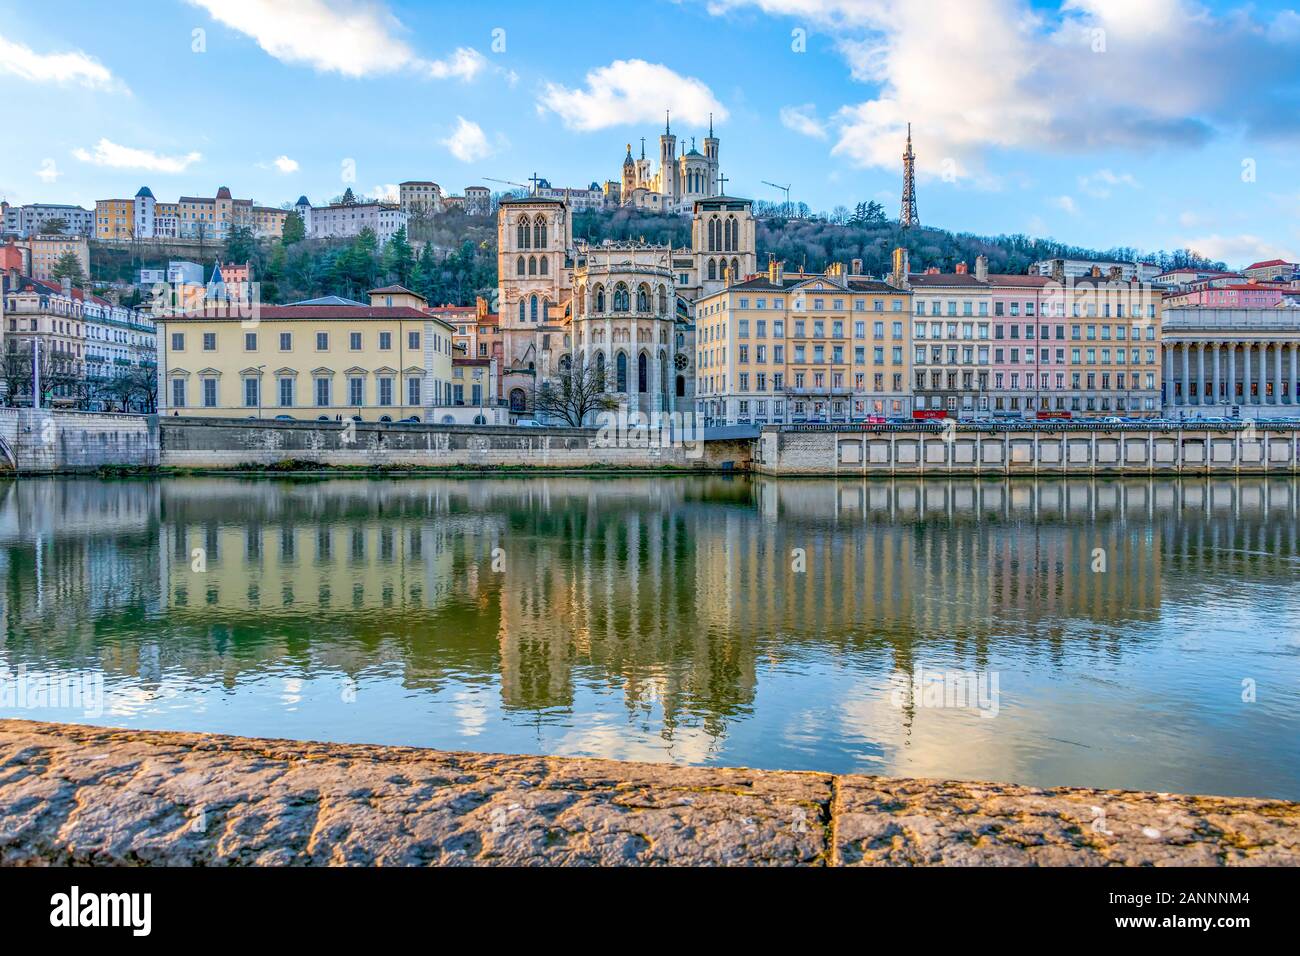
{"x":668,"y":184}
{"x":711,"y":154}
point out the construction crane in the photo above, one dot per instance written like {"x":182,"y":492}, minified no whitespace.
{"x":785,"y":189}
{"x":508,"y":182}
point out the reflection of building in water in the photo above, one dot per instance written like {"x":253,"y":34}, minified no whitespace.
{"x":676,"y":593}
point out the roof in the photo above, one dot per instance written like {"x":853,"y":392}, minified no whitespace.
{"x":722,"y":199}
{"x":534,"y":200}
{"x":946,"y":279}
{"x":302,"y":201}
{"x":1018,"y":281}
{"x":144,"y":191}
{"x":281,"y":313}
{"x":396,"y":290}
{"x":1268,"y":262}
{"x":223,"y":193}
{"x":330,"y":300}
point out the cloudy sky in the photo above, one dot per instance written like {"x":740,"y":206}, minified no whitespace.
{"x":1152,"y":123}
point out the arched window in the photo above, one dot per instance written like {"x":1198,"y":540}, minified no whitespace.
{"x":713,"y":234}
{"x":533,"y":309}
{"x":642,"y":299}
{"x":600,"y":371}
{"x":532,"y":265}
{"x":641,"y":364}
{"x":518,"y":400}
{"x":621,"y":297}
{"x":565,"y":363}
{"x":523,"y":314}
{"x":539,"y":233}
{"x":713,"y":269}
{"x":681,"y":386}
{"x":620,"y":372}
{"x":663,"y":301}
{"x":735,"y":270}
{"x":542,"y":266}
{"x":521,"y":238}
{"x":663,"y":373}
{"x":519,"y":266}
{"x":733,"y":234}
{"x":600,"y":298}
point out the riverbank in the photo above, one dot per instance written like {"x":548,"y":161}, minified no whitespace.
{"x":73,"y":794}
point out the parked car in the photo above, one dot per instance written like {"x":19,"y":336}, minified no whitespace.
{"x":529,"y":423}
{"x":285,"y":418}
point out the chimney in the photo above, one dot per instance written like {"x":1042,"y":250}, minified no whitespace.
{"x":857,"y":267}
{"x":961,"y":269}
{"x":1115,"y":274}
{"x":67,"y":286}
{"x":1096,"y":272}
{"x":982,"y":268}
{"x":835,"y":270}
{"x":775,"y":270}
{"x":932,"y":271}
{"x":1058,"y":271}
{"x":898,"y":277}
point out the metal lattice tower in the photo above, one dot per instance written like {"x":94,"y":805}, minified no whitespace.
{"x":908,"y":216}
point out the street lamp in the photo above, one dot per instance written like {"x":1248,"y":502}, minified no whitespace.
{"x":259,"y":391}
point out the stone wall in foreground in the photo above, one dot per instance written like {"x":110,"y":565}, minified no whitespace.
{"x":229,"y":443}
{"x":86,"y":795}
{"x":41,"y":441}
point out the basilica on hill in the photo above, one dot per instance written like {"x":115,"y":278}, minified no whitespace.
{"x":683,"y":175}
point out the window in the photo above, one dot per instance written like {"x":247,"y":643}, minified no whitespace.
{"x":413,"y":391}
{"x":250,"y":341}
{"x":286,"y":341}
{"x":386,"y":390}
{"x":354,"y":341}
{"x":209,"y":341}
{"x":322,"y":341}
{"x":286,"y":392}
{"x":178,"y":393}
{"x":323,"y":392}
{"x":385,"y":341}
{"x":252,"y":394}
{"x":413,"y":341}
{"x":209,"y":392}
{"x":356,"y":390}
{"x":178,"y":341}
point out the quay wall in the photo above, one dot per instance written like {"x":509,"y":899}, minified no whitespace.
{"x":207,"y":443}
{"x":37,"y":441}
{"x":1042,"y":452}
{"x":79,"y":795}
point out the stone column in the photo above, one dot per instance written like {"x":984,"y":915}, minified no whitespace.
{"x":1277,"y":373}
{"x":1187,"y":375}
{"x":1200,"y":373}
{"x":1245,"y":373}
{"x":1295,"y":379}
{"x":1169,"y":374}
{"x":1232,"y":373}
{"x":1263,"y":372}
{"x":1214,"y":373}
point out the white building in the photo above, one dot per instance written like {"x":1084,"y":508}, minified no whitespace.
{"x":345,"y":220}
{"x":30,"y":220}
{"x":1075,"y":268}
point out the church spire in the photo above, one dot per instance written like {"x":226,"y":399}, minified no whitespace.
{"x":710,"y":126}
{"x":668,"y":126}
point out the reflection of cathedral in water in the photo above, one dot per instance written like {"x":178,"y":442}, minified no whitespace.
{"x":675,"y":593}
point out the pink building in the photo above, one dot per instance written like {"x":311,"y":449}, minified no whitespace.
{"x":1248,"y":296}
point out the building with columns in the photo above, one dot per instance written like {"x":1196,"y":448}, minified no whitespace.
{"x":1231,"y":363}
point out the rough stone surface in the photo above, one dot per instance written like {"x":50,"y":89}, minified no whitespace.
{"x":95,"y":796}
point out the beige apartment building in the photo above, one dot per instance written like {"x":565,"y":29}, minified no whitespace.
{"x":324,"y":360}
{"x":795,"y":348}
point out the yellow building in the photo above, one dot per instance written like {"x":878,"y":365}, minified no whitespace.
{"x":114,"y":219}
{"x":48,"y":250}
{"x":327,"y":359}
{"x":268,"y":222}
{"x":792,"y":347}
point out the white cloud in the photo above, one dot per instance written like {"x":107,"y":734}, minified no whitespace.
{"x":1066,"y":204}
{"x":1240,"y":250}
{"x":388,"y":192}
{"x":49,"y":171}
{"x":468,"y":142}
{"x":464,"y":64}
{"x":993,"y":75}
{"x":803,"y":120}
{"x":353,"y":37}
{"x":1103,"y":182}
{"x":282,"y":163}
{"x":60,"y":68}
{"x":628,"y":92}
{"x":108,"y":153}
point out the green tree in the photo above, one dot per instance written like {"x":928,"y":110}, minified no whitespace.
{"x":399,"y":258}
{"x":294,"y":229}
{"x":69,"y":266}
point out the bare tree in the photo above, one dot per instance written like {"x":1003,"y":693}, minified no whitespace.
{"x":577,"y":392}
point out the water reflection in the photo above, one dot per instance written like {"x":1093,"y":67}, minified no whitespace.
{"x":695,"y":619}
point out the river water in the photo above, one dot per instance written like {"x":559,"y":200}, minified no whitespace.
{"x":1119,"y":633}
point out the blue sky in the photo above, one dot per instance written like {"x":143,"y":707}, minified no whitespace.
{"x":1151,"y":123}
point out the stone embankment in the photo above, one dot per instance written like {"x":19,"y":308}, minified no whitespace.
{"x":87,"y":795}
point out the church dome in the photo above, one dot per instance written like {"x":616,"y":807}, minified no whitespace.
{"x":628,"y":159}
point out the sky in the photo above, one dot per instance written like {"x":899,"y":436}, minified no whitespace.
{"x":1144,"y":123}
